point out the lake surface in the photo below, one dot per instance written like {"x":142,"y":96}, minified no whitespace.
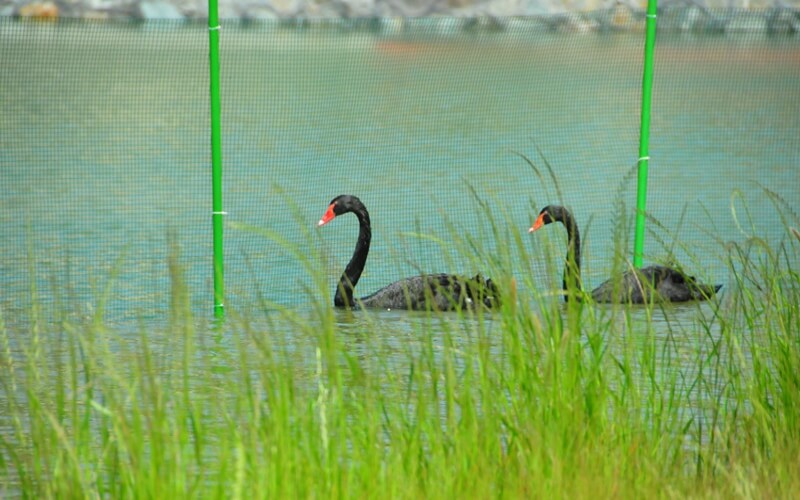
{"x":105,"y":152}
{"x":105,"y":168}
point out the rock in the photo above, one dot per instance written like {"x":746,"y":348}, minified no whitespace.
{"x":746,"y":23}
{"x":360,"y":8}
{"x":775,"y":17}
{"x":783,"y":22}
{"x":97,"y":15}
{"x":287,"y":8}
{"x":159,"y":10}
{"x":257,"y":14}
{"x":322,"y":9}
{"x":621,"y":16}
{"x":104,"y":5}
{"x":40,"y":11}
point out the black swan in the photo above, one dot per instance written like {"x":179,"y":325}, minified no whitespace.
{"x":635,"y":287}
{"x":440,"y":292}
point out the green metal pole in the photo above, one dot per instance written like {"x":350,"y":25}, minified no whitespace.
{"x":644,"y":133}
{"x":216,"y":159}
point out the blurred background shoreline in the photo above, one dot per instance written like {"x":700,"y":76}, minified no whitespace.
{"x":701,"y":16}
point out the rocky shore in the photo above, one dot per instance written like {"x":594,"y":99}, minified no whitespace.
{"x":769,"y":16}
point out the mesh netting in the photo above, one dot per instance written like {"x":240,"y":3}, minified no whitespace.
{"x":105,"y":147}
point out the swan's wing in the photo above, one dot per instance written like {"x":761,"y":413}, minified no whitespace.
{"x":652,"y":282}
{"x":440,"y":292}
{"x":675,"y":286}
{"x":630,"y":287}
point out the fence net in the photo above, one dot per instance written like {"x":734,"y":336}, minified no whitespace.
{"x":106,"y":150}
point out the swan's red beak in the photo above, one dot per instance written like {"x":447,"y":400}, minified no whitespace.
{"x":538,"y":224}
{"x":329,"y":215}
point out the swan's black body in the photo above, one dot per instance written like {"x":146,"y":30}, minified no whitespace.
{"x":637,"y":286}
{"x":442,"y":292}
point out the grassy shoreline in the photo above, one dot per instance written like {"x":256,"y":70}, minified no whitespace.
{"x":578,"y":401}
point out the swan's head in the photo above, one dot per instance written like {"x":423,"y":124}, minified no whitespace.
{"x":342,"y":204}
{"x":550,"y":213}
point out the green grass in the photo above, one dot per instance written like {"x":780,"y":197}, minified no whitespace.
{"x":526,"y":402}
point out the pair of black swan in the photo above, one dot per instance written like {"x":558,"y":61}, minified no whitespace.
{"x":441,"y":292}
{"x":446,"y":292}
{"x":637,"y":286}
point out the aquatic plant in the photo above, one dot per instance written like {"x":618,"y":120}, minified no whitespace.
{"x":538,"y":398}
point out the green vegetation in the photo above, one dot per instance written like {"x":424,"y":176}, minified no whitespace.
{"x":546,"y":401}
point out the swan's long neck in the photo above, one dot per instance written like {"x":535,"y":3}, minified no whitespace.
{"x":572,"y":263}
{"x":352,"y":273}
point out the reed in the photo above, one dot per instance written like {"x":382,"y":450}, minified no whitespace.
{"x":535,"y":399}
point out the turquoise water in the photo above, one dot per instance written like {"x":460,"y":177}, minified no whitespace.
{"x":105,"y":161}
{"x":105,"y":152}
